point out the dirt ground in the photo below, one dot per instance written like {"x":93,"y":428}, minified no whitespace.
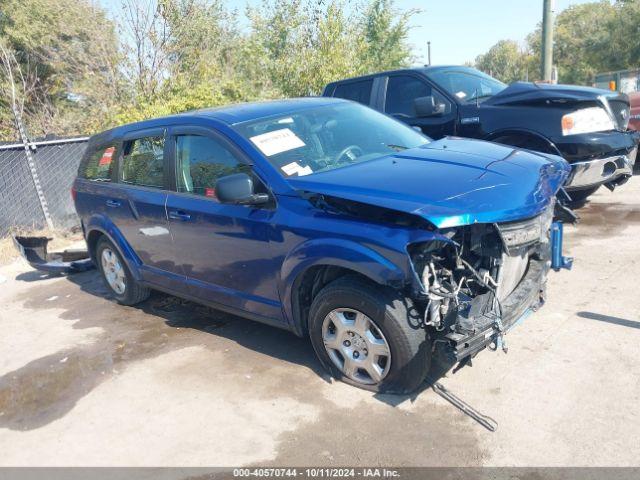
{"x":84,"y":381}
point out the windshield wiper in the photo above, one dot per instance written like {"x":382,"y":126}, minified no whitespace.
{"x":397,"y":148}
{"x":478,"y":97}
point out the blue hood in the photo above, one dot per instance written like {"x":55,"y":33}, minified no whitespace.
{"x":450,"y":182}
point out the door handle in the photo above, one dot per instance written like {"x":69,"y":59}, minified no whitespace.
{"x":179,"y":215}
{"x":113,"y":203}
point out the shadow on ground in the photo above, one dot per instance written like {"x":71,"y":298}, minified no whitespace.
{"x":49,"y":387}
{"x":609,"y":319}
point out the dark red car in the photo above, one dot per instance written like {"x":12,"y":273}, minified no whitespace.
{"x":634,"y":120}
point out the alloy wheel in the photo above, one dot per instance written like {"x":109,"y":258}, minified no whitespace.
{"x":356,"y":346}
{"x":113,"y":271}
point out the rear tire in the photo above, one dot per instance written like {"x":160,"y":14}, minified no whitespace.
{"x":393,"y":349}
{"x":116,"y":275}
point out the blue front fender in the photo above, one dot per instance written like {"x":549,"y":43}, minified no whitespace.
{"x":339,"y":253}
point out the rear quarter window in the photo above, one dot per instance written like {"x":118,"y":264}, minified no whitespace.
{"x":99,"y":164}
{"x":356,"y":91}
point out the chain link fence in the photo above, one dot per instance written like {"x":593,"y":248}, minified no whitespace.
{"x":55,"y":165}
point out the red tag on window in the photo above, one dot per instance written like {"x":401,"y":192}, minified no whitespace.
{"x":107,"y":156}
{"x":210,"y":192}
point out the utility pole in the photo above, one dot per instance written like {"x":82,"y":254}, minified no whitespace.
{"x":547,"y":40}
{"x":429,"y":53}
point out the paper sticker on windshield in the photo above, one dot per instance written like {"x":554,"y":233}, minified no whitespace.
{"x":278,"y":141}
{"x":295,"y":168}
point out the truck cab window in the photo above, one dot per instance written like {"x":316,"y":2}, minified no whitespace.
{"x":356,"y":91}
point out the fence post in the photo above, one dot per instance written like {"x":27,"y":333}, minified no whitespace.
{"x":34,"y":172}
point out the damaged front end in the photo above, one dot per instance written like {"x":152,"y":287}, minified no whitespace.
{"x":479,"y":280}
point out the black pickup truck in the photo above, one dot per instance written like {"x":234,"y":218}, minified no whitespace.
{"x":586,"y":126}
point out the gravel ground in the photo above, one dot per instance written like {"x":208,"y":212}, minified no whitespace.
{"x":84,"y":381}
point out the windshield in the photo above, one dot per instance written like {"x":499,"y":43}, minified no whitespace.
{"x":329,"y":137}
{"x":467,"y":85}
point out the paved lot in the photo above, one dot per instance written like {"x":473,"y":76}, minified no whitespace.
{"x":84,"y":381}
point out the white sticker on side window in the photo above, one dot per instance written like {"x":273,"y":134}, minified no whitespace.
{"x":278,"y":141}
{"x":294,"y":167}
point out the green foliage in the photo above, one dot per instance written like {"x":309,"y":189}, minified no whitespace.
{"x":168,"y":56}
{"x":506,"y":61}
{"x":67,"y":54}
{"x":589,"y":38}
{"x":384,"y":32}
{"x":581,"y":41}
{"x":301,"y":46}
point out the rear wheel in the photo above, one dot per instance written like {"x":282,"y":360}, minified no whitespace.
{"x":116,"y":275}
{"x":369,"y":337}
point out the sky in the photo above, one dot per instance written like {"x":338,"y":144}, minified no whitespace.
{"x":459,"y":30}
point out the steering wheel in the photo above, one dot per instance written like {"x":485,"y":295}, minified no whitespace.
{"x":355,"y":151}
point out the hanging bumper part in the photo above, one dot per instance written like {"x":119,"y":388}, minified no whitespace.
{"x":34,"y":251}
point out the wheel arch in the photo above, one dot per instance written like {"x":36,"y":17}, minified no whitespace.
{"x":314,"y":264}
{"x":524,"y":139}
{"x":98,"y":227}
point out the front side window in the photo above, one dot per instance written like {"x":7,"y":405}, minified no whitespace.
{"x":201,"y":161}
{"x":402,"y":91}
{"x":324,"y":138}
{"x":143,"y":162}
{"x":359,"y":91}
{"x":99,"y":165}
{"x":468,"y":84}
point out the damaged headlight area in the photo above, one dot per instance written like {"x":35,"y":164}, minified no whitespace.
{"x":478,"y":280}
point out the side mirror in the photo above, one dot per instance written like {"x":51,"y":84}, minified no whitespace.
{"x":238,"y":189}
{"x":427,"y":107}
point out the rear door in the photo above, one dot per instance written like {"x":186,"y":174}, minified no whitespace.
{"x":137,"y":207}
{"x":96,"y":177}
{"x":357,"y":90}
{"x":402,"y":90}
{"x":223,"y":249}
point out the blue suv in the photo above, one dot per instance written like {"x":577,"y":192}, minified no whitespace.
{"x":326,"y":218}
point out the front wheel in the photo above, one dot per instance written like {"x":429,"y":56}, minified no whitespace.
{"x":580,"y":196}
{"x":369,"y":337}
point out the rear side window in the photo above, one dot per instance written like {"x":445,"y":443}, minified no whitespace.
{"x":99,"y":165}
{"x":201,"y":161}
{"x":402,"y":90}
{"x":357,"y":91}
{"x":143,"y":162}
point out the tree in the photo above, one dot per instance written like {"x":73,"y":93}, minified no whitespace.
{"x":589,"y":38}
{"x":582,"y":41}
{"x":505,"y":61}
{"x":385,"y":31}
{"x":68,"y":55}
{"x":13,"y":90}
{"x":302,"y":45}
{"x":84,"y":72}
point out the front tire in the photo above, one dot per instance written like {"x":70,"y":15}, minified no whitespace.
{"x":116,"y":275}
{"x":579,"y":197}
{"x":369,"y":337}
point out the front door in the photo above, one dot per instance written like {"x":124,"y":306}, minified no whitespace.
{"x":401,"y":93}
{"x":223,"y":249}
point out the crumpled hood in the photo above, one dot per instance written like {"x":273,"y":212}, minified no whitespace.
{"x":450,"y":182}
{"x":526,"y":92}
